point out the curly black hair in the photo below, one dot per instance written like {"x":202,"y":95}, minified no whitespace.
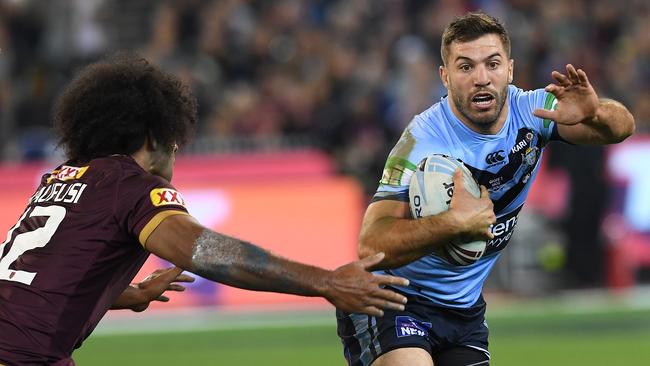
{"x":111,"y":106}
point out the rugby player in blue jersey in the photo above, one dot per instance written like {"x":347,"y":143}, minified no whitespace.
{"x":499,"y":132}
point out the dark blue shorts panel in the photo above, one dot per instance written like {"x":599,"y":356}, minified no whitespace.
{"x":422,"y":324}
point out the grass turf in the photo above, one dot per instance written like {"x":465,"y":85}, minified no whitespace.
{"x":549,"y":338}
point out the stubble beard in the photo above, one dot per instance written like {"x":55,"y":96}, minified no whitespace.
{"x":483,"y":120}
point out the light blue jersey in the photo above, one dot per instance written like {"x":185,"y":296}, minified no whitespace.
{"x":505,"y":163}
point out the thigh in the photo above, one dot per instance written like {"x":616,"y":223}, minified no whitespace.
{"x":461,"y":356}
{"x":410,"y":356}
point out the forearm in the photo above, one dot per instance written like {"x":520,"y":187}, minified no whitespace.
{"x":240,"y":264}
{"x":406,"y":240}
{"x":613,"y":122}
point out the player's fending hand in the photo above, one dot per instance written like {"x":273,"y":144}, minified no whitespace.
{"x":138,"y":297}
{"x":354,"y":290}
{"x":475,"y":216}
{"x":577,"y":100}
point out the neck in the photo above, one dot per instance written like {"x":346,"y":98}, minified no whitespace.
{"x":143,"y":158}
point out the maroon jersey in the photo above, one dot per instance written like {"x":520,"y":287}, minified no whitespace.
{"x":73,"y":251}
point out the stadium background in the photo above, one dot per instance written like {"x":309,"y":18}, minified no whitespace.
{"x":300,"y":102}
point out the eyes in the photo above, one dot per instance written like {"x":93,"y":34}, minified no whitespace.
{"x":491,"y":65}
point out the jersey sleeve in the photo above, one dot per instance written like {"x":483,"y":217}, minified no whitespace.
{"x":403,"y":161}
{"x":144,"y":202}
{"x":539,"y":98}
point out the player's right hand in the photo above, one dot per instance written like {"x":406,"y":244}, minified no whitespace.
{"x":474,"y":216}
{"x":353,"y":289}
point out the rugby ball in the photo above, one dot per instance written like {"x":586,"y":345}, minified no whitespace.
{"x":430,"y":192}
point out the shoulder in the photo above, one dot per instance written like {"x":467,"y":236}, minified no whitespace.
{"x":527,"y":99}
{"x":523,"y":102}
{"x":431,"y":118}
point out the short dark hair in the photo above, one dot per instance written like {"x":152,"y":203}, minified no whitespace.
{"x":111,"y":106}
{"x":471,"y":26}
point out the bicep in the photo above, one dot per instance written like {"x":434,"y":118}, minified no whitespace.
{"x":386,"y":208}
{"x":174,"y":238}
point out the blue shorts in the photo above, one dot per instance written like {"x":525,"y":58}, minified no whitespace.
{"x":422,"y":324}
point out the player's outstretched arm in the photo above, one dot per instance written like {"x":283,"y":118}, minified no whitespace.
{"x":181,"y":240}
{"x":581,"y":117}
{"x":137,"y":297}
{"x":388,"y":227}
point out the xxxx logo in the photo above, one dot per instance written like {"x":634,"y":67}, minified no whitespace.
{"x":166,"y":196}
{"x":67,"y":173}
{"x":495,"y":157}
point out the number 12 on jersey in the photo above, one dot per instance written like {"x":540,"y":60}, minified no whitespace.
{"x":33,"y":239}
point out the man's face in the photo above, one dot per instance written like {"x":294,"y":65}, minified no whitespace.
{"x":476,"y":75}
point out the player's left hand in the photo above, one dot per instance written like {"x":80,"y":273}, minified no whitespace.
{"x":137,"y":297}
{"x":353,"y":289}
{"x":577,"y":100}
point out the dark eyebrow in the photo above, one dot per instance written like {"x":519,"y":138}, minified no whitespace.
{"x":496,"y":54}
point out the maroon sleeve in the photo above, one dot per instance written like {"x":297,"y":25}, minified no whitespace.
{"x":144,"y":201}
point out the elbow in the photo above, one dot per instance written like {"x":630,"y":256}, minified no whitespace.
{"x":631,"y":128}
{"x":365,"y":249}
{"x":626,"y":131}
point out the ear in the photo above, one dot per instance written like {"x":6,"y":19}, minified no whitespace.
{"x":150,"y":143}
{"x":511,"y":68}
{"x":444,"y":76}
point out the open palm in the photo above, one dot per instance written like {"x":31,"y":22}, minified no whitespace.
{"x":576,"y":98}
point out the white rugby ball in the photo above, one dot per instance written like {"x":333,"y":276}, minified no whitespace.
{"x":430,"y":193}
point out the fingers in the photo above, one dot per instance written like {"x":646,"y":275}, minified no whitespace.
{"x":554,"y":89}
{"x":385,"y":305}
{"x":386,"y":280}
{"x":372,"y":260}
{"x":458,"y":179}
{"x":373,"y":311}
{"x":175,"y":287}
{"x":572,"y":74}
{"x":484,"y":192}
{"x":561,"y":79}
{"x":393,"y":300}
{"x":162,"y":298}
{"x":184,"y":278}
{"x":545,"y":114}
{"x":582,"y":76}
{"x":169,"y":275}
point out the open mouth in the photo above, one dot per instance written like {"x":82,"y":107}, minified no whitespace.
{"x":483,"y":100}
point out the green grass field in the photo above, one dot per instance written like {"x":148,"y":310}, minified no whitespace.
{"x":521,"y":338}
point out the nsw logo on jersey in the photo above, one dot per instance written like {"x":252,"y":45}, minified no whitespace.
{"x":407,"y":326}
{"x":166,"y":196}
{"x":67,"y":173}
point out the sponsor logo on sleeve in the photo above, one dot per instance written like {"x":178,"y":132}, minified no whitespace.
{"x":407,"y":326}
{"x":66,"y":173}
{"x":166,"y":196}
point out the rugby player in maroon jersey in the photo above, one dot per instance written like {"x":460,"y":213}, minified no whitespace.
{"x":94,"y":220}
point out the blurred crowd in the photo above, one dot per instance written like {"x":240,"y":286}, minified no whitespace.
{"x":344,"y":76}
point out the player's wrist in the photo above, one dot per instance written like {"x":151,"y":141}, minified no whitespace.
{"x":453,"y":222}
